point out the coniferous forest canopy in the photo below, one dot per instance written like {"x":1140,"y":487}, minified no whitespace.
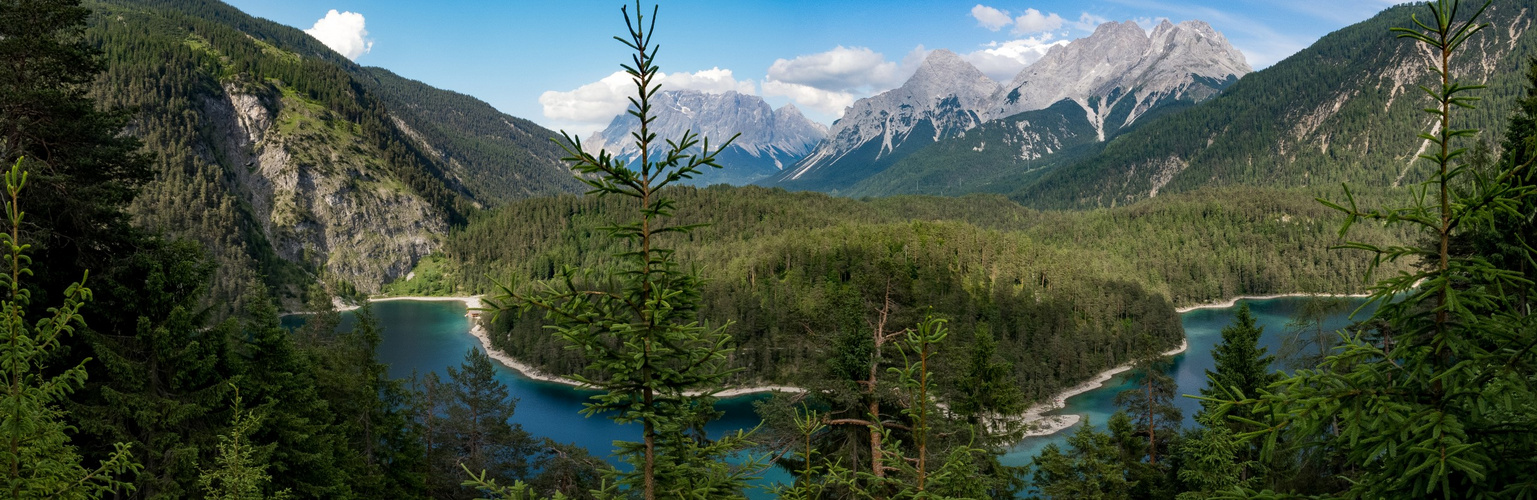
{"x":166,"y":162}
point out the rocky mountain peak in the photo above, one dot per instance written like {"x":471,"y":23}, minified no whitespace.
{"x":770,"y":137}
{"x":1120,"y":61}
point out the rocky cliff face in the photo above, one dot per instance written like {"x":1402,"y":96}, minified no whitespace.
{"x":944,"y":97}
{"x":1113,"y":77}
{"x":1120,"y":63}
{"x":770,"y":139}
{"x":314,"y":188}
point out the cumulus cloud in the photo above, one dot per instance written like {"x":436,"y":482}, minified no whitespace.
{"x":990,"y":18}
{"x":827,"y":82}
{"x":1001,"y":61}
{"x":343,"y":32}
{"x":1033,"y":21}
{"x":595,"y":104}
{"x":837,"y":69}
{"x":1087,"y":22}
{"x":830,"y":102}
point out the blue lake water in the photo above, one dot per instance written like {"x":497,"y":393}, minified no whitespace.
{"x":430,"y":336}
{"x":1203,"y":329}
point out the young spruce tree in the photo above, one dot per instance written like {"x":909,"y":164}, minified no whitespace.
{"x":36,"y":459}
{"x":1444,"y":409}
{"x":646,"y":349}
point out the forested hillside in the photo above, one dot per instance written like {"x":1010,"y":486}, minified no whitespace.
{"x":1323,"y":116}
{"x":291,"y":163}
{"x":1317,"y":118}
{"x":793,"y":269}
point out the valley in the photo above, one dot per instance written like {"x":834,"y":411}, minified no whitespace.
{"x":1134,"y":257}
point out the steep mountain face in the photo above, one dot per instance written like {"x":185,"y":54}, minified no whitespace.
{"x":1347,"y":109}
{"x":290,"y":163}
{"x":496,"y":157}
{"x":770,"y":139}
{"x":1121,"y":63}
{"x":1076,"y":96}
{"x":945,"y":97}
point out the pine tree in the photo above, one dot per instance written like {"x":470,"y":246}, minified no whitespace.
{"x":1090,"y":468}
{"x":161,"y":378}
{"x":1444,"y":408}
{"x":641,"y":336}
{"x":279,"y":376}
{"x":476,"y":421}
{"x":1150,"y":403}
{"x":241,"y":471}
{"x":84,"y":170}
{"x":36,"y":458}
{"x":1242,"y":366}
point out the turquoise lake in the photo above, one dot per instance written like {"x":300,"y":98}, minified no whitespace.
{"x":430,"y":336}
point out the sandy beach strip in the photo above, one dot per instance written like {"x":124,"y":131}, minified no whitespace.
{"x":1038,"y":423}
{"x":1234,"y":301}
{"x":473,"y":304}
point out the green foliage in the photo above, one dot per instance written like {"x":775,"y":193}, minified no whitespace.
{"x":1090,"y":468}
{"x":1209,"y":459}
{"x":475,"y":433}
{"x":1326,"y":115}
{"x":1434,"y":397}
{"x":645,"y":348}
{"x":36,"y":457}
{"x":1242,"y":366}
{"x":239,"y":473}
{"x":83,"y":172}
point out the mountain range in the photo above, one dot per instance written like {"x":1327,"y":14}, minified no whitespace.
{"x":293,"y":165}
{"x":1105,"y":82}
{"x":770,"y":139}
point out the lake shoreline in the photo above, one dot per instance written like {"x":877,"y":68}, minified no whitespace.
{"x":1234,"y":301}
{"x":1039,"y":424}
{"x":472,"y":303}
{"x":1035,"y":418}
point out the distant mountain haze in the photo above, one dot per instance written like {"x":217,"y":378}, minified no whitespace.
{"x":770,"y":139}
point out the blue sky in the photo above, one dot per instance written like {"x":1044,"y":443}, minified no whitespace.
{"x":554,"y":61}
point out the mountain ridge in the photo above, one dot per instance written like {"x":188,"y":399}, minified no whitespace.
{"x":1114,"y":77}
{"x":770,"y":138}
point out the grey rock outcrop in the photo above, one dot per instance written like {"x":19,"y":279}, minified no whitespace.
{"x":318,"y":202}
{"x":1121,"y":61}
{"x":944,"y":97}
{"x":770,"y":139}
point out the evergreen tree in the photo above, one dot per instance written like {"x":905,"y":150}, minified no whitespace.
{"x":36,"y":458}
{"x":84,"y":170}
{"x":296,"y":420}
{"x":986,"y":387}
{"x":1442,"y":408}
{"x":1209,"y":459}
{"x":476,"y":428}
{"x":1150,"y":403}
{"x":241,"y":472}
{"x":645,"y":347}
{"x":1090,"y":468}
{"x":1242,"y":366}
{"x":161,"y":378}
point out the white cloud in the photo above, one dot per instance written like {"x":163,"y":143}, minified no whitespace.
{"x":1001,"y":61}
{"x":1033,"y":21}
{"x":841,"y":68}
{"x":828,"y":82}
{"x":343,"y":32}
{"x":1087,"y":22}
{"x":593,"y":105}
{"x":990,"y":18}
{"x":830,"y":102}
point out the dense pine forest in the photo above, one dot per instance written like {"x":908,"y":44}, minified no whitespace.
{"x":144,"y":355}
